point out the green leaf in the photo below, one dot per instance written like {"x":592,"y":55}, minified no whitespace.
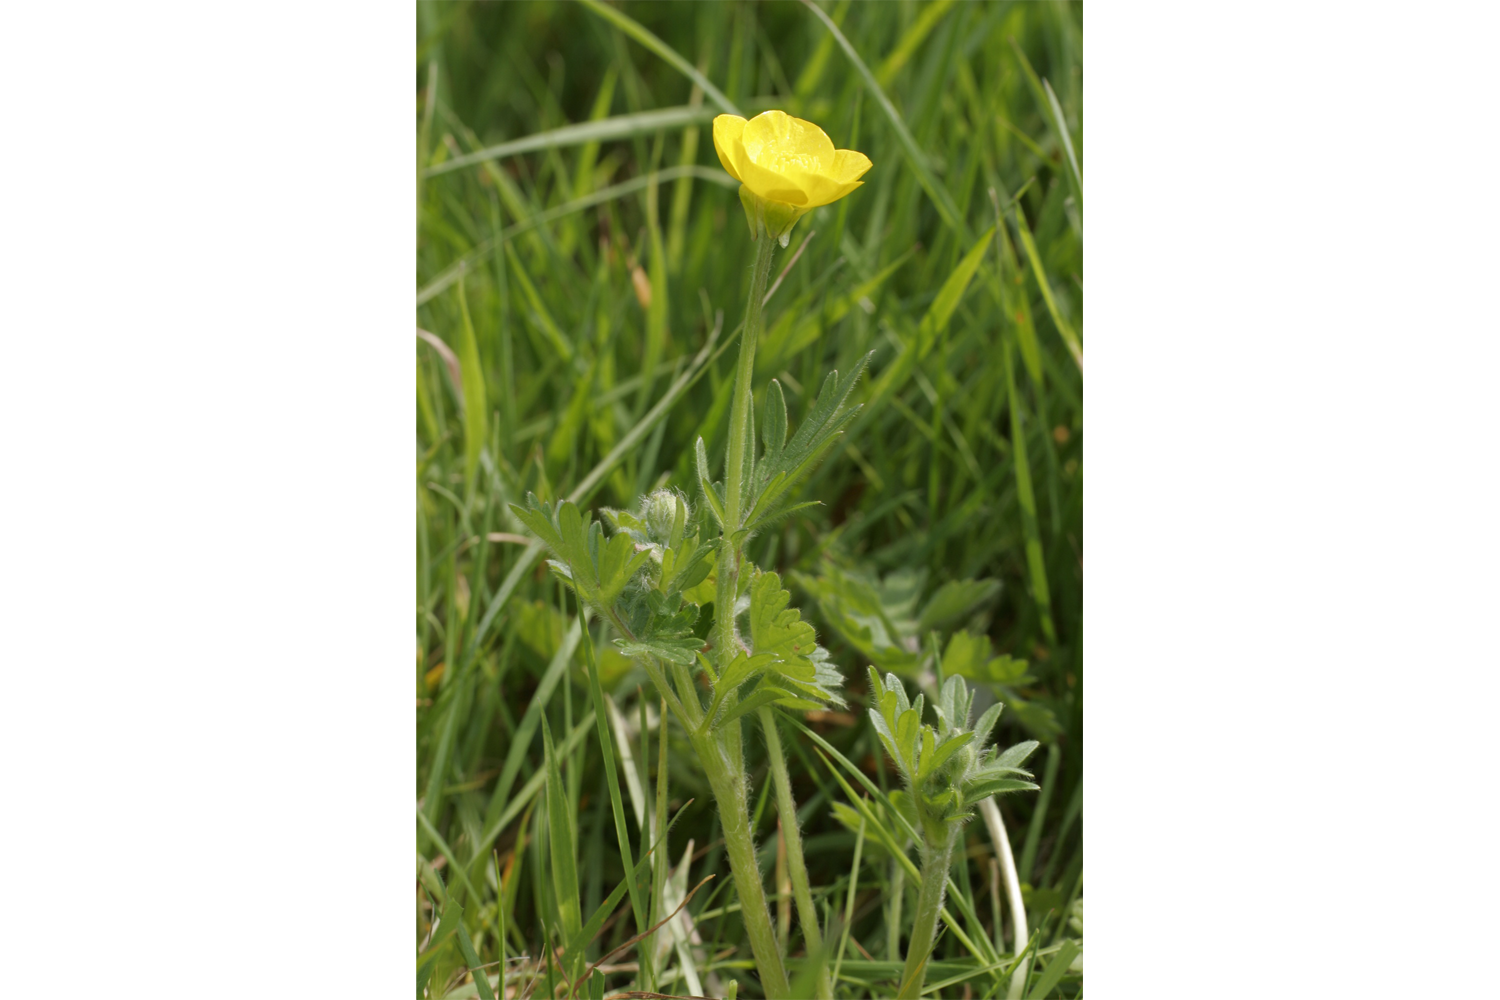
{"x":925,"y":751}
{"x":540,"y":518}
{"x":1016,"y":755}
{"x":953,"y":703}
{"x":873,"y":616}
{"x":953,"y":601}
{"x":685,"y":563}
{"x":715,"y":502}
{"x":779,"y":630}
{"x":742,"y":668}
{"x":452,"y":916}
{"x":773,"y":424}
{"x":765,"y":694}
{"x":986,"y":723}
{"x":618,"y":563}
{"x":908,"y":724}
{"x":931,"y":762}
{"x":699,"y":585}
{"x":818,"y":428}
{"x":777,"y":473}
{"x":683,"y":651}
{"x":981,"y":790}
{"x":624,"y":520}
{"x":1034,"y":717}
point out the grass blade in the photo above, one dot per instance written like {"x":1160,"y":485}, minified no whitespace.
{"x":521,"y":740}
{"x":1038,"y":817}
{"x":563,"y":843}
{"x":911,"y":38}
{"x":451,"y":274}
{"x":1064,"y":328}
{"x":1036,"y":567}
{"x":1056,"y":969}
{"x":635,"y":30}
{"x":471,"y":959}
{"x":527,"y":793}
{"x":442,"y":845}
{"x":914,"y":156}
{"x":638,"y":906}
{"x":934,"y":322}
{"x":582,"y":133}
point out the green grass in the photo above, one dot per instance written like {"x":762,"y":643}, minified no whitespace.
{"x":585,"y":260}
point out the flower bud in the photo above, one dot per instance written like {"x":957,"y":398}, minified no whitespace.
{"x":659,"y":512}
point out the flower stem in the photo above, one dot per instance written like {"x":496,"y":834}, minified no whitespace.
{"x":786,"y":808}
{"x":721,"y":751}
{"x":741,"y":431}
{"x":741,"y":448}
{"x":728,"y":785}
{"x":936,"y":859}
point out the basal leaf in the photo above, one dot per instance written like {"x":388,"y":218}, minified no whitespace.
{"x":684,"y":651}
{"x":935,"y":760}
{"x":954,"y":600}
{"x":981,"y":790}
{"x":1016,"y":755}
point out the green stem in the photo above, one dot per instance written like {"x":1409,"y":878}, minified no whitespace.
{"x":741,"y":437}
{"x":728,"y":785}
{"x":741,"y":447}
{"x":936,"y":860}
{"x":786,"y":808}
{"x":721,"y":751}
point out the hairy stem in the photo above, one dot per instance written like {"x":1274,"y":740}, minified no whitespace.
{"x":786,"y":808}
{"x":722,"y":751}
{"x":741,"y":448}
{"x":936,"y":859}
{"x":741,"y":437}
{"x":728,"y":785}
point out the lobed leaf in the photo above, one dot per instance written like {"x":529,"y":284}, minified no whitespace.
{"x":779,"y":630}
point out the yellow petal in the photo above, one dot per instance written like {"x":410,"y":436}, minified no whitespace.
{"x":849,"y":166}
{"x":776,"y":141}
{"x":770,"y":185}
{"x":783,"y":157}
{"x":779,"y":158}
{"x":727,"y":132}
{"x":840,"y":179}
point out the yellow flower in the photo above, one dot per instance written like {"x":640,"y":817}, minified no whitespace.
{"x":786,"y":166}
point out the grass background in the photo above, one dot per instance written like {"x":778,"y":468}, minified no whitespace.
{"x":571,"y":291}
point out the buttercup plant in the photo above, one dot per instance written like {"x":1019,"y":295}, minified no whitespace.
{"x":947,"y":772}
{"x":651,"y":578}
